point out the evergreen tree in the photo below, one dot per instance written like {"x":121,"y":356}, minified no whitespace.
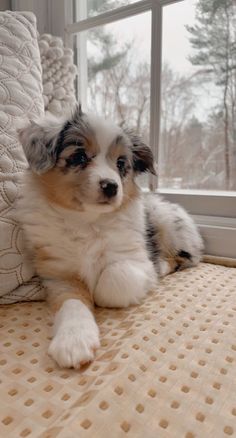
{"x":213,"y":38}
{"x":100,"y":6}
{"x":109,"y":54}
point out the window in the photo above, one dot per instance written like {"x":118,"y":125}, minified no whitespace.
{"x":118,"y":71}
{"x":115,"y":60}
{"x":95,"y":7}
{"x":178,"y":86}
{"x":198,"y":101}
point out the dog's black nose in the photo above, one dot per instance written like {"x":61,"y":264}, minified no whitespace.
{"x":109,"y":187}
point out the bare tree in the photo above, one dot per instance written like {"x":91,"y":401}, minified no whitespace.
{"x":177,"y":109}
{"x":122,"y":91}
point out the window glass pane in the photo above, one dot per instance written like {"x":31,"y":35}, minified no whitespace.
{"x":118,"y":72}
{"x":95,"y":7}
{"x":198,"y":130}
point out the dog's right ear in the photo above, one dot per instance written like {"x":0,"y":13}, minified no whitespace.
{"x":38,"y":141}
{"x":143,"y":160}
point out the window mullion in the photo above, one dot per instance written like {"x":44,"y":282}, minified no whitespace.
{"x":110,"y":16}
{"x":169,"y":2}
{"x":81,"y":14}
{"x":155,"y":89}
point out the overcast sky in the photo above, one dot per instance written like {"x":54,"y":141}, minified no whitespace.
{"x":176,"y":46}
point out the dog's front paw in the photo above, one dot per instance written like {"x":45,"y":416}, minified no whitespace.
{"x":73,"y":347}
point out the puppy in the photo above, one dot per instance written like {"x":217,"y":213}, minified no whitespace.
{"x":93,"y":237}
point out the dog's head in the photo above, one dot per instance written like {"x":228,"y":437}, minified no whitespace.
{"x":85,"y":163}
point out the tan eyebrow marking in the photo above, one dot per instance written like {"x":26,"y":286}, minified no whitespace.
{"x":118,"y":148}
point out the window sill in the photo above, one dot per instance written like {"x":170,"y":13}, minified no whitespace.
{"x":206,"y":203}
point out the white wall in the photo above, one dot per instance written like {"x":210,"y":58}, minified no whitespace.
{"x":5,"y":4}
{"x":38,"y":7}
{"x":51,"y":14}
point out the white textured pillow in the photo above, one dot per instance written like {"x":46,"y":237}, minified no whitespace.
{"x":20,"y":97}
{"x":58,"y":71}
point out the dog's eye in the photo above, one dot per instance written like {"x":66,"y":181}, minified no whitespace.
{"x":121,"y":165}
{"x":78,"y":158}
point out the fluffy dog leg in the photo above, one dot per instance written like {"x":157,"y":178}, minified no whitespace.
{"x":124,"y":283}
{"x":76,"y":335}
{"x":174,"y":241}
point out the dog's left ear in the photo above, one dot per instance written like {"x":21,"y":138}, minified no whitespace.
{"x":143,"y":160}
{"x":38,"y":140}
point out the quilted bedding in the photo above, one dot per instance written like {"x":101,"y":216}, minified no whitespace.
{"x":20,"y":97}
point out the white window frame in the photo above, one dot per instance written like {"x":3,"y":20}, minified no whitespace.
{"x":214,"y":212}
